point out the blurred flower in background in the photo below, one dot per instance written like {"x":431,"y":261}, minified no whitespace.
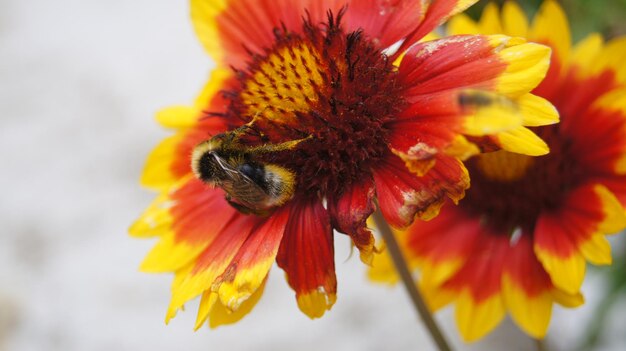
{"x":521,"y":238}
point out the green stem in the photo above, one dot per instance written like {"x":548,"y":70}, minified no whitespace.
{"x":403,"y":270}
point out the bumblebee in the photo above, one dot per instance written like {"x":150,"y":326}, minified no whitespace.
{"x":251,"y":186}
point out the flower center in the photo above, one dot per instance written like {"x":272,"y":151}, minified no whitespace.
{"x":510,"y":191}
{"x":503,"y":166}
{"x":317,"y":104}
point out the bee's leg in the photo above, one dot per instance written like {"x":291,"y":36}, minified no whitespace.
{"x":288,"y":145}
{"x":246,"y":210}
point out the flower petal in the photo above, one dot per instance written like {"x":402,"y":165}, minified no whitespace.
{"x":223,"y":315}
{"x":462,"y":24}
{"x":604,"y":145}
{"x":349,"y":213}
{"x":212,"y":262}
{"x":585,"y":52}
{"x":527,"y":289}
{"x":526,"y":66}
{"x":522,"y":141}
{"x":156,"y":219}
{"x":475,"y":319}
{"x":227,"y":28}
{"x":559,"y":235}
{"x":386,"y":22}
{"x":489,"y":22}
{"x":434,"y":66}
{"x":306,"y":254}
{"x":249,"y":268}
{"x":401,"y":195}
{"x":217,"y":314}
{"x":537,"y":111}
{"x":435,"y":13}
{"x":196,"y":216}
{"x":440,"y":246}
{"x":479,"y":307}
{"x":567,"y":300}
{"x":514,"y":20}
{"x":551,"y":26}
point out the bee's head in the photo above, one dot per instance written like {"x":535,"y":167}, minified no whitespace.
{"x":204,"y":162}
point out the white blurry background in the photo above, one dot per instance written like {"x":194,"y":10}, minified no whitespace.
{"x":80,"y":81}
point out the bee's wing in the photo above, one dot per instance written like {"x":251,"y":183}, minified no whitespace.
{"x":242,"y":189}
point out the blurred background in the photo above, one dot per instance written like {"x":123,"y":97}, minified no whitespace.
{"x":80,"y":81}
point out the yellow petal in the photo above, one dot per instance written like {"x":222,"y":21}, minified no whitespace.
{"x":567,"y":300}
{"x":203,"y":17}
{"x":315,"y":303}
{"x":585,"y":52}
{"x":537,"y":111}
{"x":462,"y":24}
{"x":490,"y":20}
{"x":207,"y":302}
{"x":157,"y":173}
{"x":614,"y":214}
{"x":551,"y":26}
{"x":461,"y":148}
{"x":170,"y":254}
{"x":514,"y":20}
{"x":179,"y":277}
{"x":522,"y":141}
{"x":597,"y":250}
{"x":382,"y":269}
{"x":156,"y":219}
{"x":215,"y":84}
{"x":527,"y":65}
{"x":612,"y":58}
{"x":477,"y":319}
{"x":531,"y":313}
{"x":461,"y":6}
{"x":222,"y":315}
{"x":436,"y":298}
{"x":246,"y":283}
{"x":567,"y":273}
{"x":436,"y":273}
{"x":177,"y":117}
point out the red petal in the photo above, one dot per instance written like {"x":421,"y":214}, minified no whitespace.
{"x":306,"y":254}
{"x":560,"y":232}
{"x":450,"y":235}
{"x":401,"y":194}
{"x":599,"y":139}
{"x":437,"y":65}
{"x":482,"y":272}
{"x":350,"y":211}
{"x":226,"y":244}
{"x":525,"y":269}
{"x":211,"y":263}
{"x":250,"y":24}
{"x":249,"y":268}
{"x":386,"y":21}
{"x":438,"y":11}
{"x":199,"y":212}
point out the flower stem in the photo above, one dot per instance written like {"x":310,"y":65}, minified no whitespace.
{"x":541,"y":345}
{"x":403,"y":269}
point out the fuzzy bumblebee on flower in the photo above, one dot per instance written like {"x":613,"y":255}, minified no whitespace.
{"x":308,"y":124}
{"x":520,"y":240}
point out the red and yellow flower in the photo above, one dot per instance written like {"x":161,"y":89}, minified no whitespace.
{"x":521,"y":238}
{"x":312,"y":90}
